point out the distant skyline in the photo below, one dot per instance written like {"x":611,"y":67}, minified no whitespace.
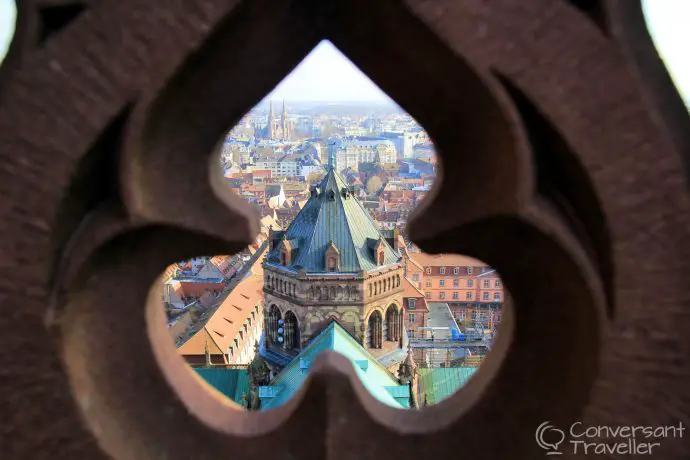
{"x":327,"y":75}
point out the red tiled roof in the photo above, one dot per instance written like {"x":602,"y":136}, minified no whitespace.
{"x":445,"y":260}
{"x":411,"y":291}
{"x":227,"y":320}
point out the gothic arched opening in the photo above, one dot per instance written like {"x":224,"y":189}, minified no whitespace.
{"x":393,"y":325}
{"x":273,"y":323}
{"x":292,"y":336}
{"x":375,"y":330}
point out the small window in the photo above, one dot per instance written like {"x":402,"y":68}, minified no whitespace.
{"x":485,"y":296}
{"x":468,"y":296}
{"x":332,"y":265}
{"x":428,"y":270}
{"x":487,"y":283}
{"x":427,"y":295}
{"x":411,"y":303}
{"x":411,"y":318}
{"x":443,"y":270}
{"x":470,"y":283}
{"x":469,"y":270}
{"x":455,"y":295}
{"x":415,"y":277}
{"x":410,"y":333}
{"x":428,"y":283}
{"x":442,"y":283}
{"x":498,"y":283}
{"x":442,"y":295}
{"x":456,"y":282}
{"x":497,"y":296}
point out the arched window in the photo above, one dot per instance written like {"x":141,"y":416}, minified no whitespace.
{"x":291,"y":331}
{"x":381,"y":258}
{"x":272,"y":323}
{"x":374,"y":330}
{"x":391,"y":326}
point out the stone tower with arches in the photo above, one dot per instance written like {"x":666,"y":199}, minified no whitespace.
{"x":333,"y":264}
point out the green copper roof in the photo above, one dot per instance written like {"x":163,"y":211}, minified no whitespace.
{"x":437,"y":384}
{"x":333,"y":215}
{"x":376,"y":378}
{"x":231,"y":382}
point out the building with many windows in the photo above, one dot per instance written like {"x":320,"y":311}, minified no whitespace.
{"x":349,"y":152}
{"x":455,"y":279}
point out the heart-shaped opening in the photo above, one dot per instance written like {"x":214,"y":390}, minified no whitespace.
{"x":334,"y":172}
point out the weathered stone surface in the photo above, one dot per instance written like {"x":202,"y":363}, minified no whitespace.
{"x":129,"y":99}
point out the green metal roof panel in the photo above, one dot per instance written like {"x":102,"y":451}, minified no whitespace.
{"x":399,"y":391}
{"x":343,"y":221}
{"x":233,"y":383}
{"x":376,"y":378}
{"x":404,"y":402}
{"x":438,"y":384}
{"x":270,"y":391}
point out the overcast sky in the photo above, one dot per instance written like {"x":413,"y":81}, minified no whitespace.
{"x":326,"y":75}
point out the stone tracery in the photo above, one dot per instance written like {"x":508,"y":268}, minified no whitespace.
{"x":582,"y":115}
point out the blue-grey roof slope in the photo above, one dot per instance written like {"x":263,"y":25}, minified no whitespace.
{"x":333,"y":214}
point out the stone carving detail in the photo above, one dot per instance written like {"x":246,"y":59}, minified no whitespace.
{"x":578,"y":144}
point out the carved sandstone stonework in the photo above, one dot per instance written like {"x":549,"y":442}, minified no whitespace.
{"x":563,"y":145}
{"x":314,"y":300}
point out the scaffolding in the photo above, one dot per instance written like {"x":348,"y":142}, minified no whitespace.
{"x":464,"y":340}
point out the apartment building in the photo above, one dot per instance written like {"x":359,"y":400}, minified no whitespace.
{"x":455,"y":279}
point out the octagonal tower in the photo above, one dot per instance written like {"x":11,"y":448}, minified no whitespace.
{"x":332,"y":263}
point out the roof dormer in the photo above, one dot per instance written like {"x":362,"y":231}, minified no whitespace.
{"x":332,"y":258}
{"x":380,"y":252}
{"x":286,"y":252}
